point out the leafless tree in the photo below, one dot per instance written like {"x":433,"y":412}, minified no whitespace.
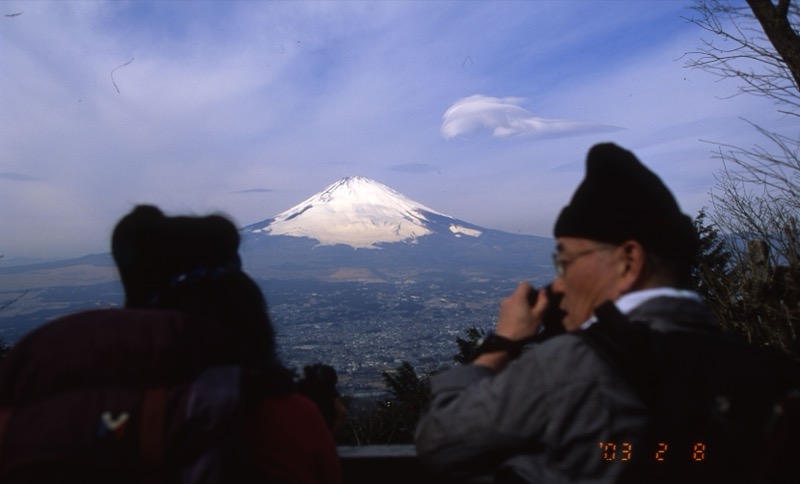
{"x":757,"y":195}
{"x":755,"y":44}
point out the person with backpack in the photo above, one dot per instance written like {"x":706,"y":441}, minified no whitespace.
{"x":181,"y":385}
{"x":641,"y":387}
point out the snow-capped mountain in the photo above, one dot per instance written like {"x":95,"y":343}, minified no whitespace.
{"x":360,"y":230}
{"x":361,"y":213}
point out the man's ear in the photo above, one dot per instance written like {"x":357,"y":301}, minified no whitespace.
{"x":632,"y":266}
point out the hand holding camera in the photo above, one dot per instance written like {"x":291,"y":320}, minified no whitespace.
{"x":553,"y":315}
{"x":526,"y":316}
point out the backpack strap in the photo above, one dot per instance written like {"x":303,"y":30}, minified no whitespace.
{"x":5,"y":416}
{"x":153,"y":425}
{"x":626,"y":347}
{"x":608,"y":314}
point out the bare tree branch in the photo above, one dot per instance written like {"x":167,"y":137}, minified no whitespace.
{"x":756,"y":199}
{"x":739,"y":49}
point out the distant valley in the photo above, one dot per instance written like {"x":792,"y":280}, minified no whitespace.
{"x":411,"y":282}
{"x":360,"y":327}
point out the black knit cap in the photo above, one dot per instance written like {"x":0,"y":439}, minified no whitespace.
{"x":153,"y":251}
{"x":620,"y":199}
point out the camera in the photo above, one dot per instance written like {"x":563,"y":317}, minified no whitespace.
{"x":553,"y":316}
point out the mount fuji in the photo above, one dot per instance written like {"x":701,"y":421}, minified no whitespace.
{"x":361,"y":213}
{"x":359,"y":229}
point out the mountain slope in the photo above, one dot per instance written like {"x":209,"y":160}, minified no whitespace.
{"x":359,"y":229}
{"x":358,"y":212}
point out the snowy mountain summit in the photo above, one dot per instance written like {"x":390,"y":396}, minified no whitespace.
{"x":361,"y":213}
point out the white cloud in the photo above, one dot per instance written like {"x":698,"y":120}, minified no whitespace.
{"x":505,"y":117}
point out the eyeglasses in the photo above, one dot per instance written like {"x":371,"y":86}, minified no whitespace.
{"x":561,"y":264}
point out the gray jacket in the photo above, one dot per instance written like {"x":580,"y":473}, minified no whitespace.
{"x":546,"y":416}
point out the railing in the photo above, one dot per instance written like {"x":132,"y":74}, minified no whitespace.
{"x":385,"y":464}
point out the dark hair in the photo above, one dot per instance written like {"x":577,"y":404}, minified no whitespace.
{"x":191,"y":264}
{"x":232,"y":300}
{"x":152,"y":251}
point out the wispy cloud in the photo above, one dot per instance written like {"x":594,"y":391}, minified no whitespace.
{"x":16,"y":177}
{"x":505,"y":117}
{"x":255,"y":190}
{"x":413,"y":168}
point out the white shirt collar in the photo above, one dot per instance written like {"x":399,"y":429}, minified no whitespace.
{"x":632,"y":300}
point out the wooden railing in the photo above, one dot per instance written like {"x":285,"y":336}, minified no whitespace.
{"x":384,"y":464}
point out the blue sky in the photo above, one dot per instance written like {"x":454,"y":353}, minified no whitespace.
{"x":481,"y":110}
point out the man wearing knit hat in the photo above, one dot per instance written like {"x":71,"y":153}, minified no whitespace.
{"x":550,"y":414}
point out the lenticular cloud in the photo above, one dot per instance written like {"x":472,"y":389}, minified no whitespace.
{"x":505,"y":117}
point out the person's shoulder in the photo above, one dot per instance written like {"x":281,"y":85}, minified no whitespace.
{"x":563,"y":346}
{"x":563,"y":354}
{"x":290,"y":442}
{"x":290,"y":403}
{"x":667,"y":313}
{"x":291,"y":415}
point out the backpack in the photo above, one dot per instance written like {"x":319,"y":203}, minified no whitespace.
{"x":125,"y":395}
{"x":721,"y":410}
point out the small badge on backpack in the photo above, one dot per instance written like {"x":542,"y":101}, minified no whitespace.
{"x":113,"y":426}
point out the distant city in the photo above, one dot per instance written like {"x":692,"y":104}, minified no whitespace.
{"x":360,"y":328}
